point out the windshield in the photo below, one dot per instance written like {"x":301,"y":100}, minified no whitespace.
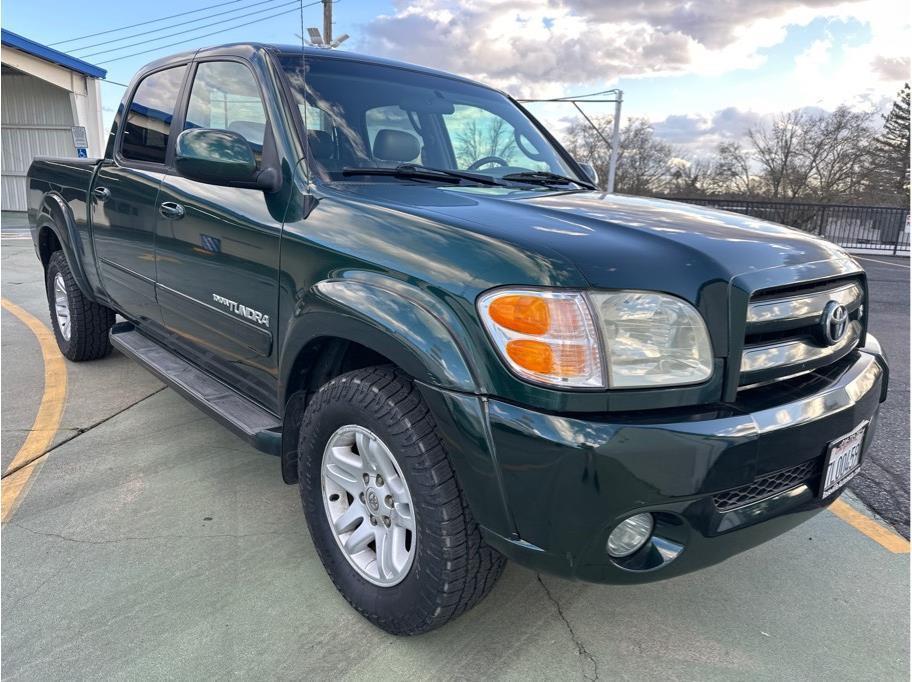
{"x":361,"y":115}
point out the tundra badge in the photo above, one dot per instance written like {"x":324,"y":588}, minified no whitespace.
{"x":240,"y":309}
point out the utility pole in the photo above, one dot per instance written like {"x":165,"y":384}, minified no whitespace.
{"x":327,"y":21}
{"x":615,"y":142}
{"x":612,"y":145}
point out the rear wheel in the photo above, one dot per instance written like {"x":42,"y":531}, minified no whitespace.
{"x":385,"y":511}
{"x":80,"y":325}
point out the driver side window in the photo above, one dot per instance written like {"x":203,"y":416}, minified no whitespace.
{"x":225,"y":96}
{"x":477,"y":134}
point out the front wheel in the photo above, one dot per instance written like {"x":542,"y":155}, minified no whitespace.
{"x":81,"y":326}
{"x":385,"y":511}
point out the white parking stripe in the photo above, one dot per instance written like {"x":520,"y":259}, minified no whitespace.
{"x":883,"y":262}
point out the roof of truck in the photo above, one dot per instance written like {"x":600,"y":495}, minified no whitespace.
{"x":245,"y":49}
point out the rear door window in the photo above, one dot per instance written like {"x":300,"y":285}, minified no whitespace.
{"x":148,"y":125}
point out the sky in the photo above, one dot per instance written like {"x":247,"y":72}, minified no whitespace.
{"x":702,"y":72}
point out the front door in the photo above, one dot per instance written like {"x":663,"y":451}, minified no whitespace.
{"x":218,"y":247}
{"x":125,"y":193}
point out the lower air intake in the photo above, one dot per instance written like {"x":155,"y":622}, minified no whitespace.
{"x":767,"y":486}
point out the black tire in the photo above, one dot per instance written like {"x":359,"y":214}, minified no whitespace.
{"x":89,"y":321}
{"x":453,"y":568}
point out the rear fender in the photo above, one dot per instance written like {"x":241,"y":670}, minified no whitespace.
{"x":54,"y":214}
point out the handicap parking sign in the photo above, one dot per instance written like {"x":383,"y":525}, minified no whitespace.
{"x":82,"y":153}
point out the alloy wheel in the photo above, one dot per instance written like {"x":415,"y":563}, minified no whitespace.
{"x":62,"y":306}
{"x":368,"y":505}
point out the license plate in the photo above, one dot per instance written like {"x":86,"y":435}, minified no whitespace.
{"x":843,"y":460}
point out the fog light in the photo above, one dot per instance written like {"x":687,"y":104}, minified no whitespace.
{"x":629,"y":535}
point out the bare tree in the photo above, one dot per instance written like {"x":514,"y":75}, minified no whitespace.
{"x":643,"y":162}
{"x":733,"y":174}
{"x":643,"y":159}
{"x":814,"y":156}
{"x":776,"y":150}
{"x":585,"y":144}
{"x":837,"y":146}
{"x":806,"y":155}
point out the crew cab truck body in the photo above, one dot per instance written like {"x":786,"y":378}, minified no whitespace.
{"x":397,"y":281}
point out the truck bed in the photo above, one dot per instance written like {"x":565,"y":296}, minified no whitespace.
{"x":68,"y":177}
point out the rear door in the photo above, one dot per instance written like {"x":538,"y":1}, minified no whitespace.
{"x":125,"y":192}
{"x":218,"y":247}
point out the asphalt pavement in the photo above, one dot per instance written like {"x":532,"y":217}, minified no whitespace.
{"x":883,"y":483}
{"x":150,"y":543}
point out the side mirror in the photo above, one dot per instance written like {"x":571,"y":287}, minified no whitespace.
{"x":590,"y":172}
{"x":218,"y":157}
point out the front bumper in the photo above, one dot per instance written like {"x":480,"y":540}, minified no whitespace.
{"x":565,"y":482}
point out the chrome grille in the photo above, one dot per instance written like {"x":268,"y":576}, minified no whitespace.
{"x":803,"y":307}
{"x":785,"y":334}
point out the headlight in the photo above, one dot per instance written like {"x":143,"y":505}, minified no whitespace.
{"x":652,"y":339}
{"x":545,"y":336}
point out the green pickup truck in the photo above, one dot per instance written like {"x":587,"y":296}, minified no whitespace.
{"x":398,"y":282}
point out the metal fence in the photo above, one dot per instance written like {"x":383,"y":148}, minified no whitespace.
{"x":884,"y":229}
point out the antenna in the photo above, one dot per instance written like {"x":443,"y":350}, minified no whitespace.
{"x":304,"y":83}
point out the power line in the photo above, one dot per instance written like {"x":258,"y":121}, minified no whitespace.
{"x":189,"y":30}
{"x":143,"y":23}
{"x":204,"y":35}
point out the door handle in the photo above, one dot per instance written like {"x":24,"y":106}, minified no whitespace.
{"x":171,"y":210}
{"x":102,"y":193}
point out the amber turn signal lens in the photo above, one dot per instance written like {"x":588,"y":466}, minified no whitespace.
{"x":535,"y":356}
{"x":523,"y":314}
{"x":546,"y":336}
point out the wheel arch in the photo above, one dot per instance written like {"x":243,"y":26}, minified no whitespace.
{"x":55,"y":230}
{"x":350,"y":323}
{"x":400,"y":322}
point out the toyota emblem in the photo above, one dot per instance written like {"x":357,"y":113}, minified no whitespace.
{"x":834,"y":322}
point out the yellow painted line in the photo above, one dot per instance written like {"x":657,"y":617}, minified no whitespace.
{"x":885,"y":537}
{"x":16,"y":484}
{"x":46,"y":421}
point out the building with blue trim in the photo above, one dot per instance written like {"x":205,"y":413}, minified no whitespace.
{"x":51,"y":106}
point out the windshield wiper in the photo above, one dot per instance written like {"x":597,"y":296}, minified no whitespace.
{"x":464,"y":175}
{"x":546,"y":178}
{"x":419,"y":172}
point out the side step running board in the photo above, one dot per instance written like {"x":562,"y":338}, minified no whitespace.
{"x":260,"y":428}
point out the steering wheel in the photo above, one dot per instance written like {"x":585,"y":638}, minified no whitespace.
{"x":485,"y":160}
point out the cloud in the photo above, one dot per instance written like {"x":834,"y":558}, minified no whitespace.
{"x":524,"y":45}
{"x":809,"y":63}
{"x":890,"y":68}
{"x":550,"y":47}
{"x":697,"y":134}
{"x":715,"y":25}
{"x":564,"y":42}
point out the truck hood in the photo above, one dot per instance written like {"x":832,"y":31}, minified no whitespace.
{"x":616,"y":240}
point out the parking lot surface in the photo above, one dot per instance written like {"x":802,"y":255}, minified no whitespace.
{"x":150,"y":543}
{"x":883,"y":483}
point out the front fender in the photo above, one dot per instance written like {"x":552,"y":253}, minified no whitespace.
{"x":54,"y":214}
{"x":400,"y":321}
